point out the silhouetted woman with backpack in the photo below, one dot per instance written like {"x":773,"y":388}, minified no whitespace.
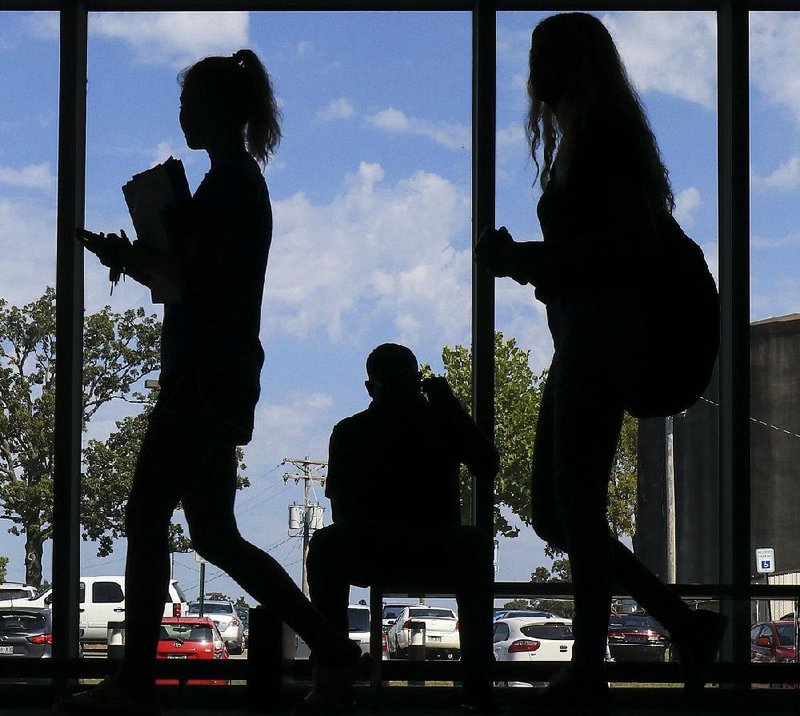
{"x":211,"y":359}
{"x":605,"y":214}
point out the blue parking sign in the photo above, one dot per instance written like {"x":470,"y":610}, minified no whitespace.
{"x":765,"y":560}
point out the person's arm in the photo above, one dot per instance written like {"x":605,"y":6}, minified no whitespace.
{"x":132,"y":259}
{"x":477,"y":452}
{"x":593,"y":261}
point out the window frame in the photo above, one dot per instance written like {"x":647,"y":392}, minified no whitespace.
{"x":734,"y":586}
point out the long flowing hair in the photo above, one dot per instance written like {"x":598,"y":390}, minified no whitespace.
{"x":240,"y":91}
{"x":592,"y":80}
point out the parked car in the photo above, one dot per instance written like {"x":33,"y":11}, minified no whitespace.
{"x":389,"y":616}
{"x":25,"y":632}
{"x":191,"y":638}
{"x":224,"y":615}
{"x":358,"y":625}
{"x":16,"y":594}
{"x":511,"y":613}
{"x":637,"y":637}
{"x":441,"y":632}
{"x":45,"y":599}
{"x":773,"y":643}
{"x":244,"y":618}
{"x":532,"y":639}
{"x":102,"y":600}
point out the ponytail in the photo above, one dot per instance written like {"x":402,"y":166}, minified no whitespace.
{"x":240,"y":92}
{"x":262,"y":131}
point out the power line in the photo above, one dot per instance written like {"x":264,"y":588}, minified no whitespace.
{"x":764,"y":424}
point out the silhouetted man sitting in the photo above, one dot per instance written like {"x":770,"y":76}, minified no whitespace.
{"x":394,"y":491}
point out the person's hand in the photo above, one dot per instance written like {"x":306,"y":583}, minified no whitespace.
{"x":437,"y":389}
{"x":494,"y":251}
{"x":111,"y":249}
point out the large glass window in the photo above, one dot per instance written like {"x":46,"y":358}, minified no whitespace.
{"x":29,"y":49}
{"x":663,"y":496}
{"x":370,"y":191}
{"x":371,"y":196}
{"x":775,"y":321}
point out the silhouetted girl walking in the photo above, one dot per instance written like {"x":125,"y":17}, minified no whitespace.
{"x":605,"y":192}
{"x":211,"y":365}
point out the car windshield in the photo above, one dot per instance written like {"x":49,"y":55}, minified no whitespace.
{"x":186,"y":632}
{"x":358,"y":619}
{"x":431,"y":613}
{"x":786,"y":634}
{"x":211,"y":608}
{"x":22,"y":623}
{"x":14,"y":594}
{"x":547,"y":631}
{"x":392,"y":611}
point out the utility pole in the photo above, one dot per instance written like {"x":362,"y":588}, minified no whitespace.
{"x":311,"y":512}
{"x":669,"y":490}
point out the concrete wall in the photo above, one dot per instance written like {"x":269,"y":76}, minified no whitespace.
{"x":774,"y":464}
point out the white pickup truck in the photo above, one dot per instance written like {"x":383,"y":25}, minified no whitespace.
{"x":101,"y":600}
{"x":441,"y":632}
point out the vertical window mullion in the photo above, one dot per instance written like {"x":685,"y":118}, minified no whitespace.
{"x":484,"y":94}
{"x":734,"y":361}
{"x":69,"y":327}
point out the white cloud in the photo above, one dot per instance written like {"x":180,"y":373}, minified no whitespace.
{"x":305,"y":48}
{"x":390,"y":119}
{"x":674,"y":53}
{"x":379,"y":256}
{"x":670,"y":52}
{"x":785,"y":177}
{"x":28,"y":229}
{"x":33,"y":176}
{"x":166,"y":149}
{"x":176,"y":39}
{"x":774,"y":60}
{"x":341,"y":108}
{"x":41,"y":25}
{"x":686,"y":203}
{"x":282,"y":428}
{"x":452,"y":136}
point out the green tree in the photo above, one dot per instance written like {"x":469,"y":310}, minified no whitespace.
{"x":517,"y":396}
{"x":3,"y":567}
{"x":518,"y":392}
{"x":119,"y":350}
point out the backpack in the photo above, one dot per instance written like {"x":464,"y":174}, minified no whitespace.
{"x":673,"y":346}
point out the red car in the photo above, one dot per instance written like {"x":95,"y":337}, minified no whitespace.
{"x":637,"y":637}
{"x":191,"y":638}
{"x":773,"y":642}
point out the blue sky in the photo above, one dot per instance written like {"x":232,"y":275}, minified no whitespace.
{"x":371,"y":194}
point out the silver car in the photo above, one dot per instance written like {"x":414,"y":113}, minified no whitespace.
{"x":224,"y":615}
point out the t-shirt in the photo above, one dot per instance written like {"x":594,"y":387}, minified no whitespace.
{"x":387,"y":468}
{"x":595,"y":217}
{"x":210,"y":349}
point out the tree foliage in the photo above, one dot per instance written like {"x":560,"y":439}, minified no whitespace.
{"x":517,"y":397}
{"x":119,"y":350}
{"x":518,"y":393}
{"x":3,"y":568}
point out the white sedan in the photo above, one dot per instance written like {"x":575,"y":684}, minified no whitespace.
{"x":532,"y":639}
{"x":441,"y":632}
